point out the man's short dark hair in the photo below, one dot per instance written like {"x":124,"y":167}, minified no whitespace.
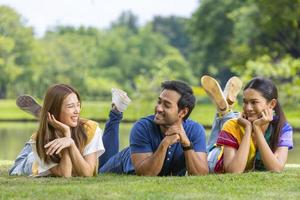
{"x":187,"y":98}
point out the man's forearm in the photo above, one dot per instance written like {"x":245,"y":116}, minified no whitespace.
{"x":152,"y":165}
{"x":195,"y":164}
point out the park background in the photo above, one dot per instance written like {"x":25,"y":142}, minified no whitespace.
{"x":246,"y":38}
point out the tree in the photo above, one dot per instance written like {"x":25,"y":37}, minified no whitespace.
{"x":228,"y":35}
{"x":211,"y":32}
{"x":284,"y":73}
{"x":175,"y":30}
{"x":17,"y":53}
{"x":126,"y":19}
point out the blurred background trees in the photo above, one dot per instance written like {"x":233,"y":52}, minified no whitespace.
{"x":246,"y":38}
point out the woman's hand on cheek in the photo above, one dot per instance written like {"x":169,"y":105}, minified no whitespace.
{"x":266,"y":117}
{"x":63,"y":128}
{"x":243,"y":121}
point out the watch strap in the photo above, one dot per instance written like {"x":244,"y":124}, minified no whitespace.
{"x":186,"y":148}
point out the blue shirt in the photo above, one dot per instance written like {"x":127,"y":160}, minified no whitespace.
{"x":146,"y":136}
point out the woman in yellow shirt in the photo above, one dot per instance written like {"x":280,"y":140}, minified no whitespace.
{"x":65,"y":144}
{"x":257,"y":139}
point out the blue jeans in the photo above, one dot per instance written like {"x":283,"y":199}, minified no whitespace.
{"x":110,"y":137}
{"x":217,"y":127}
{"x":113,"y":161}
{"x":212,"y":150}
{"x":119,"y":163}
{"x":24,"y":161}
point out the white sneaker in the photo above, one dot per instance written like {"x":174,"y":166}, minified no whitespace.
{"x":120,"y":99}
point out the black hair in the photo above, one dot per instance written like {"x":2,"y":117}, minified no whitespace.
{"x":187,"y":99}
{"x":269,"y":91}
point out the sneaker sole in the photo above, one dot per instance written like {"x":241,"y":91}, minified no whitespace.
{"x":233,"y":87}
{"x":213,"y":89}
{"x":29,"y":105}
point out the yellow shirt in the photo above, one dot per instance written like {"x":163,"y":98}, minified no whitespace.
{"x":235,"y":130}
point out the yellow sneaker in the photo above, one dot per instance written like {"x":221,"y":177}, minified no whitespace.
{"x":213,"y":89}
{"x":232,"y":89}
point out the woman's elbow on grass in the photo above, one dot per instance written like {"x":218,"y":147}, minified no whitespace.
{"x":277,"y":169}
{"x":145,"y":172}
{"x":200,"y":172}
{"x":234,"y":170}
{"x":88,"y":173}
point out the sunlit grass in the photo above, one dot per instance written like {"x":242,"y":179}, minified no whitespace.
{"x":253,"y":185}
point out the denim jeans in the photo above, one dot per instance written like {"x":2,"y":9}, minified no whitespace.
{"x":23,"y":162}
{"x":212,"y":150}
{"x":113,"y":161}
{"x":212,"y":158}
{"x":217,"y":127}
{"x":120,"y":163}
{"x":111,"y":137}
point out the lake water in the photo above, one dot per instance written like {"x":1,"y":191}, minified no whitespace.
{"x":14,"y":135}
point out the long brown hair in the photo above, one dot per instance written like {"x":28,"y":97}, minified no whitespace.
{"x":53,"y":100}
{"x":269,"y":91}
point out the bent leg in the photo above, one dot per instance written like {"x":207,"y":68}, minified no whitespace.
{"x":111,"y":137}
{"x":120,"y":163}
{"x":23,"y":162}
{"x":217,"y":127}
{"x":213,"y":158}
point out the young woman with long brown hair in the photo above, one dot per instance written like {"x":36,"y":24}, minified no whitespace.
{"x":65,"y":144}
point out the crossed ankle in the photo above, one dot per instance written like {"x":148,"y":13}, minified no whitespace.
{"x":222,"y":113}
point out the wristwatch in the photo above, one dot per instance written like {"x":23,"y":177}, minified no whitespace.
{"x":186,"y":148}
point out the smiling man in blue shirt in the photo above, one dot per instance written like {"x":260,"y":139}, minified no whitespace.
{"x":166,"y":143}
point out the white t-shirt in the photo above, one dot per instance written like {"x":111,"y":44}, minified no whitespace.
{"x":95,"y":145}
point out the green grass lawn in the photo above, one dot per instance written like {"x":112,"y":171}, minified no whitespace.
{"x":254,"y":185}
{"x":203,"y":113}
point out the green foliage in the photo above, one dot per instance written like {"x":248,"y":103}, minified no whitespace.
{"x":211,"y":31}
{"x":91,"y":60}
{"x":175,"y":30}
{"x":249,"y":38}
{"x":17,"y":52}
{"x":224,"y":38}
{"x":284,"y":72}
{"x":128,"y":20}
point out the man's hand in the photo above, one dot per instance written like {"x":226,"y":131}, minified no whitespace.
{"x":171,"y":139}
{"x":178,"y":129}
